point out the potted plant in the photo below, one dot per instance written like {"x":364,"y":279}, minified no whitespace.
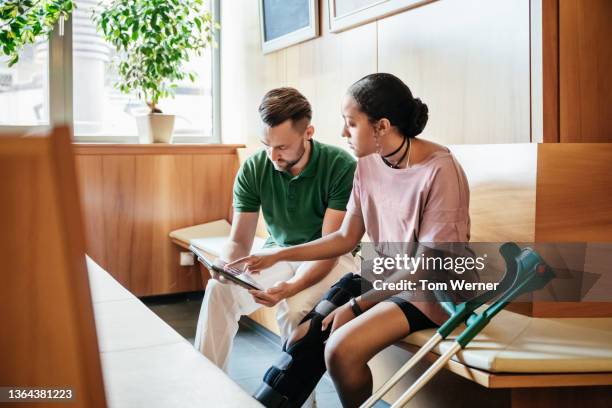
{"x":154,"y":39}
{"x":24,"y":21}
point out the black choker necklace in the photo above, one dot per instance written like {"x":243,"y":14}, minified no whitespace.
{"x":396,"y":150}
{"x":401,"y":159}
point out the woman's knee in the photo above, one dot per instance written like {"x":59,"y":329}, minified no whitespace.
{"x":340,"y":353}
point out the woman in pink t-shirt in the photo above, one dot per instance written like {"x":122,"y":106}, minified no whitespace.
{"x":405,"y":190}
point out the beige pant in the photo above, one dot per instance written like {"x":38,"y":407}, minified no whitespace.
{"x":223,"y":305}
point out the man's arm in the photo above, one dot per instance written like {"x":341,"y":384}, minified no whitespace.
{"x":309,"y":273}
{"x":241,"y":237}
{"x":312,"y":272}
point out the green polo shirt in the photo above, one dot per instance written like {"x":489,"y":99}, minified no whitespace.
{"x":294,"y":206}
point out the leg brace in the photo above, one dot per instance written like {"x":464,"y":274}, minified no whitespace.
{"x":290,"y":381}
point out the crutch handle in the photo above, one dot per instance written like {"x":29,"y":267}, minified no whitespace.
{"x":464,"y":312}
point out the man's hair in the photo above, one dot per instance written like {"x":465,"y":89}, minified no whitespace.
{"x":281,"y":104}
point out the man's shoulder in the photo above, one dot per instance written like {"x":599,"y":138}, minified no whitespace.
{"x":257,"y":160}
{"x":335,"y":154}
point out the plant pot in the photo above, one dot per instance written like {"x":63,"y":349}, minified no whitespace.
{"x":155,"y":128}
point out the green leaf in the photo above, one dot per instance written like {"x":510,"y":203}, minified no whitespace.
{"x":14,"y":59}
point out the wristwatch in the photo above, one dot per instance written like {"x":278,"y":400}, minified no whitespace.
{"x":355,"y":307}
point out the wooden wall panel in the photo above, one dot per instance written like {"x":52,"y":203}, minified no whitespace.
{"x":574,"y":204}
{"x":324,"y":68}
{"x":585,"y":58}
{"x":49,"y":337}
{"x":574,"y":193}
{"x":133,"y":197}
{"x":469,"y":61}
{"x":502,"y":181}
{"x":118,"y":185}
{"x":550,"y":70}
{"x":207,"y":184}
{"x":90,"y":172}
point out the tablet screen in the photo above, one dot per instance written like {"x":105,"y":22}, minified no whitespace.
{"x":235,"y":275}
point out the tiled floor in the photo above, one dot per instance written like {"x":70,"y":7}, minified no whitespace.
{"x":252,"y":354}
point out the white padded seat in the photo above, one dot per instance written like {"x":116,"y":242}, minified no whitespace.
{"x":145,"y":363}
{"x":514,"y":343}
{"x":219,"y":228}
{"x":209,"y":237}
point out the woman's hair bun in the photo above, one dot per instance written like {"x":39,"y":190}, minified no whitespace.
{"x":383,"y":95}
{"x":420,"y":115}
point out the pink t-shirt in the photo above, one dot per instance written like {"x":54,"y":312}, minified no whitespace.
{"x":428,"y":202}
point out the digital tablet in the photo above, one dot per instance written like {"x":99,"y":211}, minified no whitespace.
{"x":235,"y":275}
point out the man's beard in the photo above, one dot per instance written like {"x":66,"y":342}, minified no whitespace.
{"x":289,"y":164}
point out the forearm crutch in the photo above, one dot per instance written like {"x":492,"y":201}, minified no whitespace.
{"x":525,"y":272}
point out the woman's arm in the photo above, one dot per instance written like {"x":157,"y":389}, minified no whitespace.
{"x":330,"y":246}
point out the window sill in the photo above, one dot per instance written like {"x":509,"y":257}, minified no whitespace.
{"x":105,"y":149}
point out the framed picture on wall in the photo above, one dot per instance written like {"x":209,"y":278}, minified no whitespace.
{"x":287,"y":22}
{"x":345,"y":14}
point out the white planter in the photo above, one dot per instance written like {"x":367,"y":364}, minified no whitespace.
{"x":155,"y":128}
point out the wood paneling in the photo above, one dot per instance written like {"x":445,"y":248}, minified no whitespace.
{"x":132,"y":201}
{"x":95,"y":149}
{"x":469,"y":62}
{"x":565,"y":397}
{"x":502,"y":181}
{"x":585,"y":58}
{"x":574,"y":204}
{"x":323,"y":70}
{"x":343,"y":59}
{"x":45,"y":299}
{"x":574,"y":193}
{"x":544,"y":193}
{"x":550,"y":70}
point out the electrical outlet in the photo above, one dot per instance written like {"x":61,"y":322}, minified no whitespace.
{"x":187,"y":259}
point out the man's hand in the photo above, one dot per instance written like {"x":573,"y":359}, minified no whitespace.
{"x":216,"y":275}
{"x":273,"y":295}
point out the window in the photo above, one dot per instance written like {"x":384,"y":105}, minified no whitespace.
{"x":100,"y":112}
{"x":24,"y":88}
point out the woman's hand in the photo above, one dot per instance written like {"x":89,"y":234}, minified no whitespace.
{"x":338,"y":317}
{"x":255,"y":263}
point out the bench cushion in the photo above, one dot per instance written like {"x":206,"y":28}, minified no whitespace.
{"x":209,"y":237}
{"x":219,"y":228}
{"x":514,"y":343}
{"x":146,"y":363}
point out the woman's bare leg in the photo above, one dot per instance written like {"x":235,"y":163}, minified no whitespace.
{"x":350,"y":348}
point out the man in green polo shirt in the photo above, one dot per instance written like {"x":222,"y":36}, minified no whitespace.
{"x":302,"y":188}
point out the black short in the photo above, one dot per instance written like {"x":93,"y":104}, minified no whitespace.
{"x":416,"y":319}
